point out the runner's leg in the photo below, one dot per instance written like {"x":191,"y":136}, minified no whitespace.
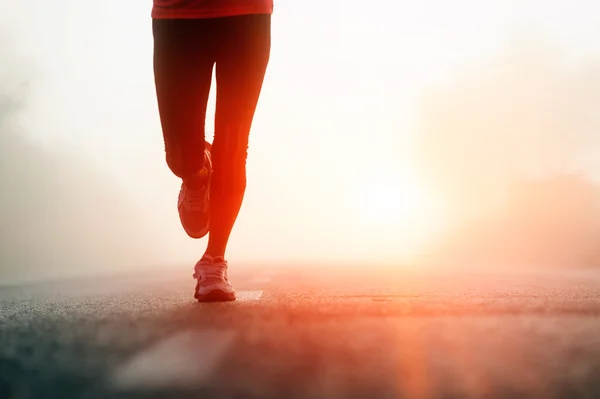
{"x":183,"y":62}
{"x":183,"y":65}
{"x":240,"y":69}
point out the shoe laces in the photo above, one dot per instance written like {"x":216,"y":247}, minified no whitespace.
{"x":195,"y":198}
{"x":207,"y":268}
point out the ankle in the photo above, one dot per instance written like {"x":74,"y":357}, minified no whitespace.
{"x":213,"y":256}
{"x":196,"y":180}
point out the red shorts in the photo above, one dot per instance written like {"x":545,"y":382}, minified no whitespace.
{"x":193,"y":9}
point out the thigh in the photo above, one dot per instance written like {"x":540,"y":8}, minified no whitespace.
{"x":241,"y":64}
{"x":183,"y":65}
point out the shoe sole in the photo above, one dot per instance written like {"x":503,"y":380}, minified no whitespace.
{"x":196,"y":235}
{"x":215,"y":295}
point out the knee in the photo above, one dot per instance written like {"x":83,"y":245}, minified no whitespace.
{"x":184,"y":162}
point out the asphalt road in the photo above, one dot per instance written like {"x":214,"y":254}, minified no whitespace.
{"x":311,"y":332}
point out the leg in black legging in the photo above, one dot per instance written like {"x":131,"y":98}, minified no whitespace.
{"x":242,"y":60}
{"x":183,"y":65}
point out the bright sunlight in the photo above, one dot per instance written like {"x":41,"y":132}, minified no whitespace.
{"x":387,"y":200}
{"x":393,"y":204}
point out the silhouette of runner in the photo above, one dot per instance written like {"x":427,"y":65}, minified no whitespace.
{"x":190,"y":38}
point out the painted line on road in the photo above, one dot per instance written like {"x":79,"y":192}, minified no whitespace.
{"x":249,"y":295}
{"x":184,"y":360}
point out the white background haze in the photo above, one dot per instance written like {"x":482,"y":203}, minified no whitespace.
{"x":457,"y":101}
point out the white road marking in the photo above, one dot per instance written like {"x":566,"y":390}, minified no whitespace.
{"x":249,"y":295}
{"x":184,"y":360}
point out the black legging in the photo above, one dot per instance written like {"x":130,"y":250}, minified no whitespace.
{"x":185,"y":51}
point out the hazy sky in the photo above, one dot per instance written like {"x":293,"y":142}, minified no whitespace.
{"x":341,"y":104}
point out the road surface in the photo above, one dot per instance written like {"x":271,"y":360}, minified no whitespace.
{"x":310,"y":332}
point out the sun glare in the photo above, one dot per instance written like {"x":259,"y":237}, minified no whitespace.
{"x":397,"y":209}
{"x":390,"y":201}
